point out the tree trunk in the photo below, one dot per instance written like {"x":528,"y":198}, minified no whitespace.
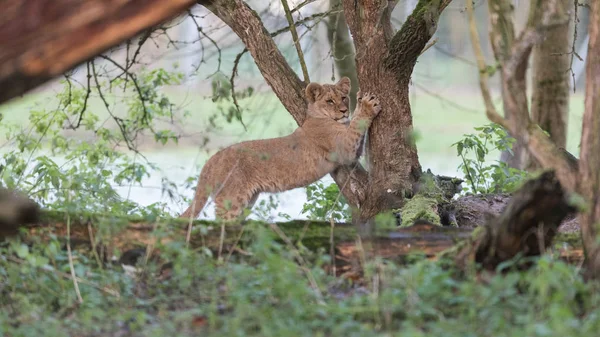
{"x":589,"y":162}
{"x":502,"y":36}
{"x":342,"y":49}
{"x":385,"y":62}
{"x":551,"y":76}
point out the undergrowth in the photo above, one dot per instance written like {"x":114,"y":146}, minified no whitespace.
{"x":268,"y":293}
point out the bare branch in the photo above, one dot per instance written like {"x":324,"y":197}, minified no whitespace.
{"x":292,"y":26}
{"x":490,"y":109}
{"x":85,"y":101}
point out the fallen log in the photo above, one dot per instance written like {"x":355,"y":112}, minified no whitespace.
{"x":527,"y":225}
{"x":133,"y":236}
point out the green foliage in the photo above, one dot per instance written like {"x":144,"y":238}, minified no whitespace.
{"x":64,"y":173}
{"x":325,"y":202}
{"x":482,"y":178}
{"x":267,"y":293}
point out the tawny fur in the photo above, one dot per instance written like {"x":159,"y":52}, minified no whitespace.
{"x":236,"y":175}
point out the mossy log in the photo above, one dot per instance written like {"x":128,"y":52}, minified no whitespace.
{"x":131,"y":236}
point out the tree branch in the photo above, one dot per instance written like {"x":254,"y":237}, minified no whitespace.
{"x":46,"y":43}
{"x":294,"y":33}
{"x":490,"y":110}
{"x":408,"y":43}
{"x":244,"y":21}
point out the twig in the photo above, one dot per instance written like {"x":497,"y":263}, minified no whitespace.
{"x":93,"y":242}
{"x":454,"y":56}
{"x":137,"y":88}
{"x":70,"y":256}
{"x":332,"y":247}
{"x":573,"y":52}
{"x":130,"y":63}
{"x":429,"y":45}
{"x":85,"y":100}
{"x":235,"y":244}
{"x":302,"y":4}
{"x":150,"y":245}
{"x":221,"y":240}
{"x":290,"y":19}
{"x":490,"y":109}
{"x":214,"y":43}
{"x":444,"y":99}
{"x":236,"y":63}
{"x":118,"y":120}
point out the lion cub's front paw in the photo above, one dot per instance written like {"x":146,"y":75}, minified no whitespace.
{"x":369,"y":103}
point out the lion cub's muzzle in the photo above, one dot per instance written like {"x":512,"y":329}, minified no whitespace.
{"x":344,"y":118}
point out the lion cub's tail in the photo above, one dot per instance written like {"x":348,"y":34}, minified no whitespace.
{"x":200,"y":199}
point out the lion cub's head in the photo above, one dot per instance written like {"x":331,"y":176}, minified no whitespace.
{"x":329,"y":100}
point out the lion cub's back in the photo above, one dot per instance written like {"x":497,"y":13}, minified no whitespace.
{"x":274,"y":165}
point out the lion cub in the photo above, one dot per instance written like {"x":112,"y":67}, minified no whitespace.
{"x":236,"y":175}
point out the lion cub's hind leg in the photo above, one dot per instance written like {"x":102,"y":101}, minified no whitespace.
{"x":231,"y":203}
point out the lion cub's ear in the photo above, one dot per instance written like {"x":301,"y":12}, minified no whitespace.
{"x":344,"y":84}
{"x":313,"y":91}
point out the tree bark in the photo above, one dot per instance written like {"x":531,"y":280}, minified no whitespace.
{"x":502,"y":37}
{"x":589,"y":162}
{"x":551,"y":63}
{"x":42,"y":39}
{"x":527,"y":226}
{"x":342,"y":49}
{"x":385,"y":62}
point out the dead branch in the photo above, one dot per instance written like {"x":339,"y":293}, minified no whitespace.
{"x":42,"y":39}
{"x":527,"y":226}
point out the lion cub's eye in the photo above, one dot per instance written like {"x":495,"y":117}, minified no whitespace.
{"x":330,"y":101}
